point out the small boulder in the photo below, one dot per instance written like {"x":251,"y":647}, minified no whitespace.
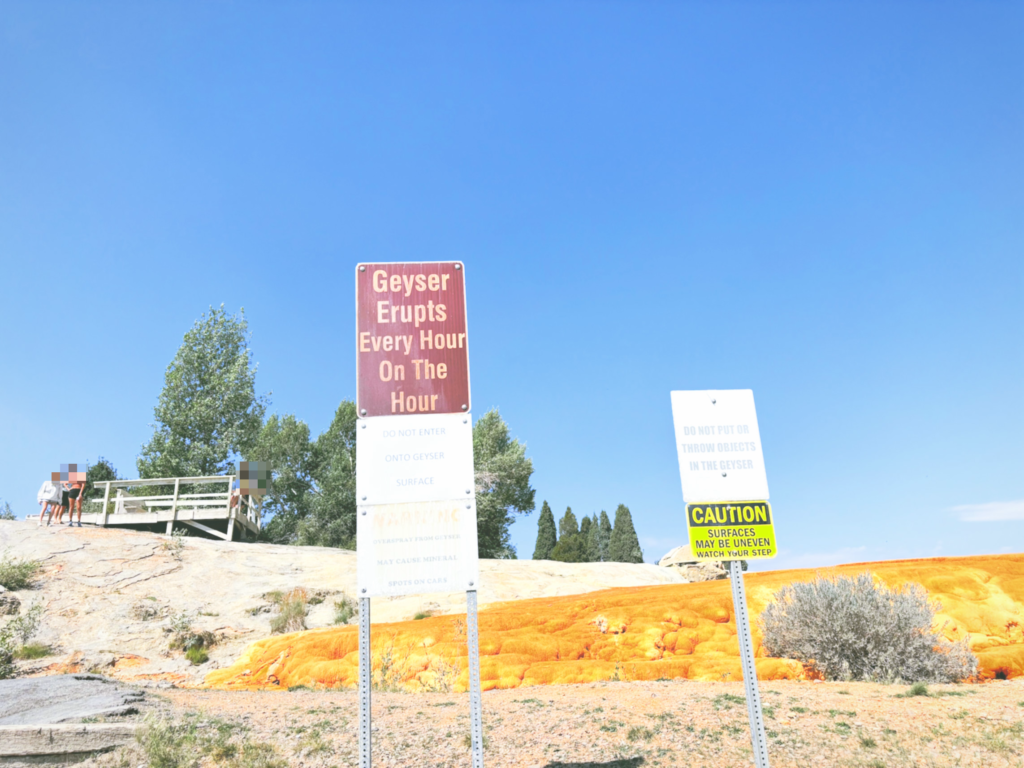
{"x":9,"y":604}
{"x":682,"y":560}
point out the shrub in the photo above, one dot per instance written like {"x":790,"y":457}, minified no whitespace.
{"x":17,"y":573}
{"x":853,"y":629}
{"x":292,"y":608}
{"x":33,"y":651}
{"x":6,"y":513}
{"x":344,"y":610}
{"x":185,"y":637}
{"x":197,"y":655}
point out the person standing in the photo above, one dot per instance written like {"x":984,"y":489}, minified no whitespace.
{"x":49,"y":500}
{"x":76,"y":489}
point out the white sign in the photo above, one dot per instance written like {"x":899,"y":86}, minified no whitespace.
{"x":719,"y":446}
{"x":414,"y":458}
{"x":407,"y":549}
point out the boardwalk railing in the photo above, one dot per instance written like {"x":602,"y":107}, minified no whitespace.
{"x":188,"y":508}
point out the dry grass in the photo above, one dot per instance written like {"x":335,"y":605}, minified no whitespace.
{"x":843,"y":725}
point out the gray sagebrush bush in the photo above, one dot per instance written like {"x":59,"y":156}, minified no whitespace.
{"x":854,"y":629}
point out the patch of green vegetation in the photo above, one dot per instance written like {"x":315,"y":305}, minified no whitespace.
{"x":726,"y":700}
{"x":844,"y":692}
{"x":442,"y":704}
{"x":769,"y":710}
{"x":867,"y":742}
{"x":843,"y":712}
{"x":917,"y":689}
{"x":344,"y":610}
{"x":32,"y":651}
{"x":467,"y":741}
{"x":195,"y":740}
{"x":800,"y":710}
{"x":17,"y":573}
{"x":636,"y":733}
{"x":197,"y":655}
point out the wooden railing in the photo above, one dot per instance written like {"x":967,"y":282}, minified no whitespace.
{"x":125,"y":504}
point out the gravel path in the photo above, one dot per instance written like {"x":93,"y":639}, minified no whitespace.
{"x":626,"y":725}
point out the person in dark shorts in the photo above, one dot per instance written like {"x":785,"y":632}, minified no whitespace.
{"x":76,"y":488}
{"x":64,"y":501}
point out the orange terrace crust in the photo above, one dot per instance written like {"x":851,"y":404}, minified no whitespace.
{"x":641,"y":633}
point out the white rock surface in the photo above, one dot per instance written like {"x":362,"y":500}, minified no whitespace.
{"x":109,"y":594}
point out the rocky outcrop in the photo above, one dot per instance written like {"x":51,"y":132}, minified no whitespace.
{"x":110,"y":596}
{"x":682,"y":561}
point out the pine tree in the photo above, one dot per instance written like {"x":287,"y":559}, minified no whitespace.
{"x":624,"y":546}
{"x":591,"y":545}
{"x":569,"y":548}
{"x":546,"y":536}
{"x":585,"y":526}
{"x":604,"y":536}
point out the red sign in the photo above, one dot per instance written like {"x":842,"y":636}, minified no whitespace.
{"x":412,"y":352}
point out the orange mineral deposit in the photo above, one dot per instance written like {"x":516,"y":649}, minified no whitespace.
{"x":642,"y":633}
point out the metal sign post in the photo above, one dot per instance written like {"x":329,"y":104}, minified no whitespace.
{"x":758,"y":739}
{"x":475,"y":704}
{"x":365,"y":684}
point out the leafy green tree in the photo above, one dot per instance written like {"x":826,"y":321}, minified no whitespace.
{"x":208,"y":412}
{"x":97,"y":473}
{"x":284,"y":443}
{"x":604,"y":536}
{"x":331,"y":519}
{"x":546,"y":535}
{"x":591,"y":539}
{"x":624,"y":547}
{"x":502,"y":484}
{"x":569,"y":548}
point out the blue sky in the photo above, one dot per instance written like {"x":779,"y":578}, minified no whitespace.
{"x":818,"y":201}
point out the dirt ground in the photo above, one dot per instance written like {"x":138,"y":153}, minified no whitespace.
{"x":628,"y":724}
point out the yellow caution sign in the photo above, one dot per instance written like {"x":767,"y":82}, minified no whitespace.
{"x":734,"y":530}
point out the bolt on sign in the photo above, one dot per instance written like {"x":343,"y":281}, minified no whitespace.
{"x":721,"y":465}
{"x":411,"y":339}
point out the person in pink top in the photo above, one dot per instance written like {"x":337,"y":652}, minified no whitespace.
{"x":76,"y":489}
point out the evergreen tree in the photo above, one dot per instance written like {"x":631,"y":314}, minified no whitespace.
{"x":584,"y":538}
{"x":604,"y":536}
{"x":624,"y":546}
{"x":589,"y":530}
{"x":569,"y":548}
{"x":546,"y":536}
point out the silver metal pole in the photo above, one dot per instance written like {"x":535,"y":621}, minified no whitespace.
{"x":475,"y":704}
{"x":365,"y":683}
{"x":758,"y":738}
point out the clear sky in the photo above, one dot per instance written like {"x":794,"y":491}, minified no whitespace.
{"x":822,"y":202}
